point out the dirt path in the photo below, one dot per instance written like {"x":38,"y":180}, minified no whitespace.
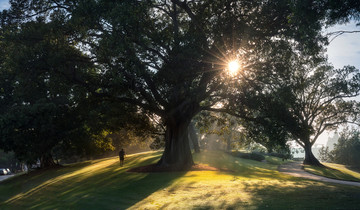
{"x":296,"y":169}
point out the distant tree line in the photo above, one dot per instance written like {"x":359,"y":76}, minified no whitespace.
{"x":346,"y":151}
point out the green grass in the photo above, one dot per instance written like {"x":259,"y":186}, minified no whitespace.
{"x":334,"y":171}
{"x":102,"y":184}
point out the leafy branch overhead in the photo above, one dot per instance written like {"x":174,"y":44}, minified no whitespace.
{"x":169,"y":59}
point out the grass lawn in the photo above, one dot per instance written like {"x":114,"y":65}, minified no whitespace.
{"x":334,"y":171}
{"x":103,"y":184}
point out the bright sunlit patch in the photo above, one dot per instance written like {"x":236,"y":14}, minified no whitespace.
{"x":233,"y":67}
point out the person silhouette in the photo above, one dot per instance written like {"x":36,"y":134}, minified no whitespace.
{"x":122,"y":157}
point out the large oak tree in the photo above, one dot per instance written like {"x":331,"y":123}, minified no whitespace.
{"x":169,"y":57}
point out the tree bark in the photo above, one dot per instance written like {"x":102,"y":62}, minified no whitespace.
{"x":310,"y":158}
{"x":228,"y":142}
{"x":177,"y":154}
{"x":193,"y":137}
{"x":47,"y":161}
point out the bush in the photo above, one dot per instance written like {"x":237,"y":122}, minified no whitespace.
{"x":251,"y":156}
{"x":279,"y":155}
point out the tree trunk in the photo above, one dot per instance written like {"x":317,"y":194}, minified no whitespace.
{"x":310,"y":159}
{"x":193,"y":137}
{"x":177,"y":154}
{"x":47,"y":161}
{"x":228,"y":142}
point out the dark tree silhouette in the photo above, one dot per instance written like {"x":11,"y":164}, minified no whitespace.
{"x":44,"y":113}
{"x":169,"y":58}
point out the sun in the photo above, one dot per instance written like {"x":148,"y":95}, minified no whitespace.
{"x":233,"y":67}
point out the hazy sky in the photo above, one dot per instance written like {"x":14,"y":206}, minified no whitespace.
{"x":4,"y":4}
{"x":344,"y":50}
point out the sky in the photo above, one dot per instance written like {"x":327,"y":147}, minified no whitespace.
{"x":4,"y":4}
{"x":343,"y":50}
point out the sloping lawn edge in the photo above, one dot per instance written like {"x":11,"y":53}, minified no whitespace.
{"x":334,"y":171}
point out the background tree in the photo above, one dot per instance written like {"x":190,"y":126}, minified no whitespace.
{"x":325,"y":108}
{"x":310,"y":100}
{"x":346,"y":151}
{"x":38,"y":108}
{"x":193,"y":136}
{"x":46,"y":106}
{"x":324,"y":103}
{"x":8,"y":160}
{"x":324,"y":154}
{"x":226,"y":129}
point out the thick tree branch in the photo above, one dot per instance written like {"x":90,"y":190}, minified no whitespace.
{"x":138,"y":103}
{"x":186,"y":8}
{"x":300,"y":143}
{"x":154,"y":90}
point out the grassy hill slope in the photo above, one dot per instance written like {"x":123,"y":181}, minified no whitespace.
{"x":334,"y":171}
{"x":103,"y":184}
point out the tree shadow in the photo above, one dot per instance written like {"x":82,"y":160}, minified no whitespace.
{"x":21,"y":183}
{"x":308,"y":195}
{"x":101,"y":185}
{"x":353,"y":168}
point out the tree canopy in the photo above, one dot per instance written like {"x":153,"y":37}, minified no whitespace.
{"x":151,"y":57}
{"x":45,"y":102}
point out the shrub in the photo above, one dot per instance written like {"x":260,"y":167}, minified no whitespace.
{"x":279,"y":155}
{"x":251,"y":156}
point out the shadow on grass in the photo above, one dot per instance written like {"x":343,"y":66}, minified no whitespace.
{"x":238,"y":166}
{"x":332,"y":173}
{"x":353,"y":168}
{"x":309,"y":195}
{"x":101,"y":185}
{"x":19,"y":184}
{"x":304,"y":195}
{"x":104,"y":184}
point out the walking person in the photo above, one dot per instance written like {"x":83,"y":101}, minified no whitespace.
{"x":122,"y":157}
